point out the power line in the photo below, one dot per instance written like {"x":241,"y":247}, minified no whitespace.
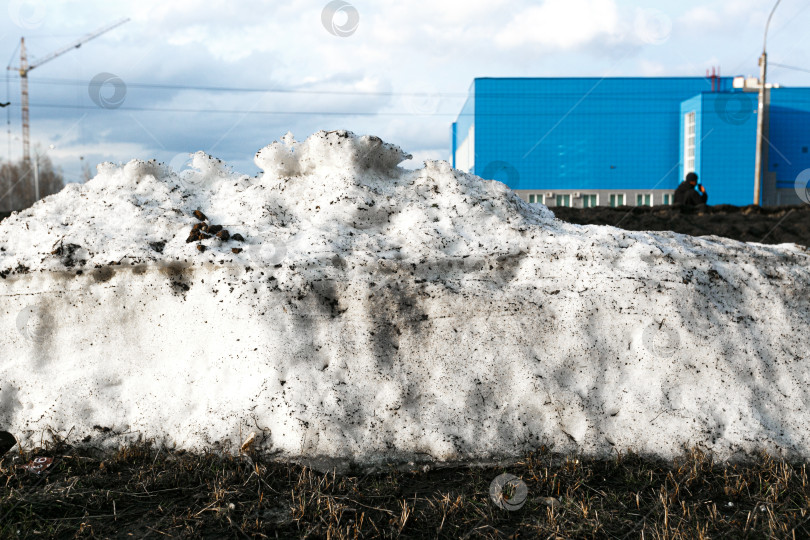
{"x":641,"y":94}
{"x":272,"y":90}
{"x":790,"y":67}
{"x":358,"y":113}
{"x":238,"y":111}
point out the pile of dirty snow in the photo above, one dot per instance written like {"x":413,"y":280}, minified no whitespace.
{"x":356,"y":310}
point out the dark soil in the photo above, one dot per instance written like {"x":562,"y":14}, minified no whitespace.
{"x":144,"y":493}
{"x":766,"y":225}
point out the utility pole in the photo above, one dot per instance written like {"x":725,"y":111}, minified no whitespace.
{"x":763,"y":75}
{"x":36,"y":178}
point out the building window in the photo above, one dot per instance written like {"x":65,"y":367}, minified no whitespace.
{"x":588,"y":201}
{"x":667,"y":198}
{"x":531,"y":199}
{"x":616,"y":199}
{"x":465,"y":153}
{"x":689,"y":142}
{"x":643,"y":199}
{"x":563,"y":200}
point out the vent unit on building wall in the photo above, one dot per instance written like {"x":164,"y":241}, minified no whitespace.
{"x":577,"y":195}
{"x":549,"y":194}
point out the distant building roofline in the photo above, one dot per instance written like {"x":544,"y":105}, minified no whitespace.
{"x":597,"y":78}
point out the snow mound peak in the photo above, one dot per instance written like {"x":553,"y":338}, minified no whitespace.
{"x":334,"y":192}
{"x":329,"y":150}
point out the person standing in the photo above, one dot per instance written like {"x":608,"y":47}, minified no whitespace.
{"x":686,"y":194}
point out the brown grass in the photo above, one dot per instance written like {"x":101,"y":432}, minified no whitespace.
{"x":140,"y":492}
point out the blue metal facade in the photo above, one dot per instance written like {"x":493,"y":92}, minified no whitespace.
{"x":789,"y":134}
{"x":626,"y":133}
{"x":725,"y":146}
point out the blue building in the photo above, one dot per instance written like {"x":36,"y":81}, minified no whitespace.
{"x":630,"y":141}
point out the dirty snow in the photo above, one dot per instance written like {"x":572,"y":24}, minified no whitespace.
{"x":378,"y":314}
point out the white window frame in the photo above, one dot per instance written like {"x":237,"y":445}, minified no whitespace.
{"x":689,"y":134}
{"x":618,"y":197}
{"x":586,"y":196}
{"x":642,"y":196}
{"x":562,"y":196}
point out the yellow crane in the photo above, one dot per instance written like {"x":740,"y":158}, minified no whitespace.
{"x":25,"y":67}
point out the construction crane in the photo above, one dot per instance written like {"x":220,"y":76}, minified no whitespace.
{"x":25,"y":67}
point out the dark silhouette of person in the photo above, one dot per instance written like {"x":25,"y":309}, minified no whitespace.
{"x":686,"y":194}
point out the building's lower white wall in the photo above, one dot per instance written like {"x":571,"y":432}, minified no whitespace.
{"x":576,"y":197}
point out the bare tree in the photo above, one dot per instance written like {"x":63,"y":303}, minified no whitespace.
{"x":87,"y":172}
{"x":17,"y":182}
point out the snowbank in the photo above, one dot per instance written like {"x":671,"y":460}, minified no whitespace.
{"x":376,"y":314}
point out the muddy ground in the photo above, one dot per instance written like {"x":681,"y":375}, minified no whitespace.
{"x":144,"y":492}
{"x":766,"y":225}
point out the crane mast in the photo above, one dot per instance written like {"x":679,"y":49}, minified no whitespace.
{"x":24,"y":102}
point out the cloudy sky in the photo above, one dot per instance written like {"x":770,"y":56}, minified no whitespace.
{"x":229,"y":77}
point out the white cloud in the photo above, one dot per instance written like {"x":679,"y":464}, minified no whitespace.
{"x":652,"y":69}
{"x":702,"y":16}
{"x":561,"y":24}
{"x":747,"y":8}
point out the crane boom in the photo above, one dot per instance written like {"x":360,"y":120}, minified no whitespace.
{"x":76,"y":44}
{"x":25,"y":67}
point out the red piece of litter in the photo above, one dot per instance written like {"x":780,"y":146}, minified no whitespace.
{"x":38,"y":464}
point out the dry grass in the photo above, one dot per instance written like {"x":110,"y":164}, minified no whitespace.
{"x":140,"y":492}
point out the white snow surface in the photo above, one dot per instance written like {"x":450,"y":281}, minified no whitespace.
{"x":377,"y":314}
